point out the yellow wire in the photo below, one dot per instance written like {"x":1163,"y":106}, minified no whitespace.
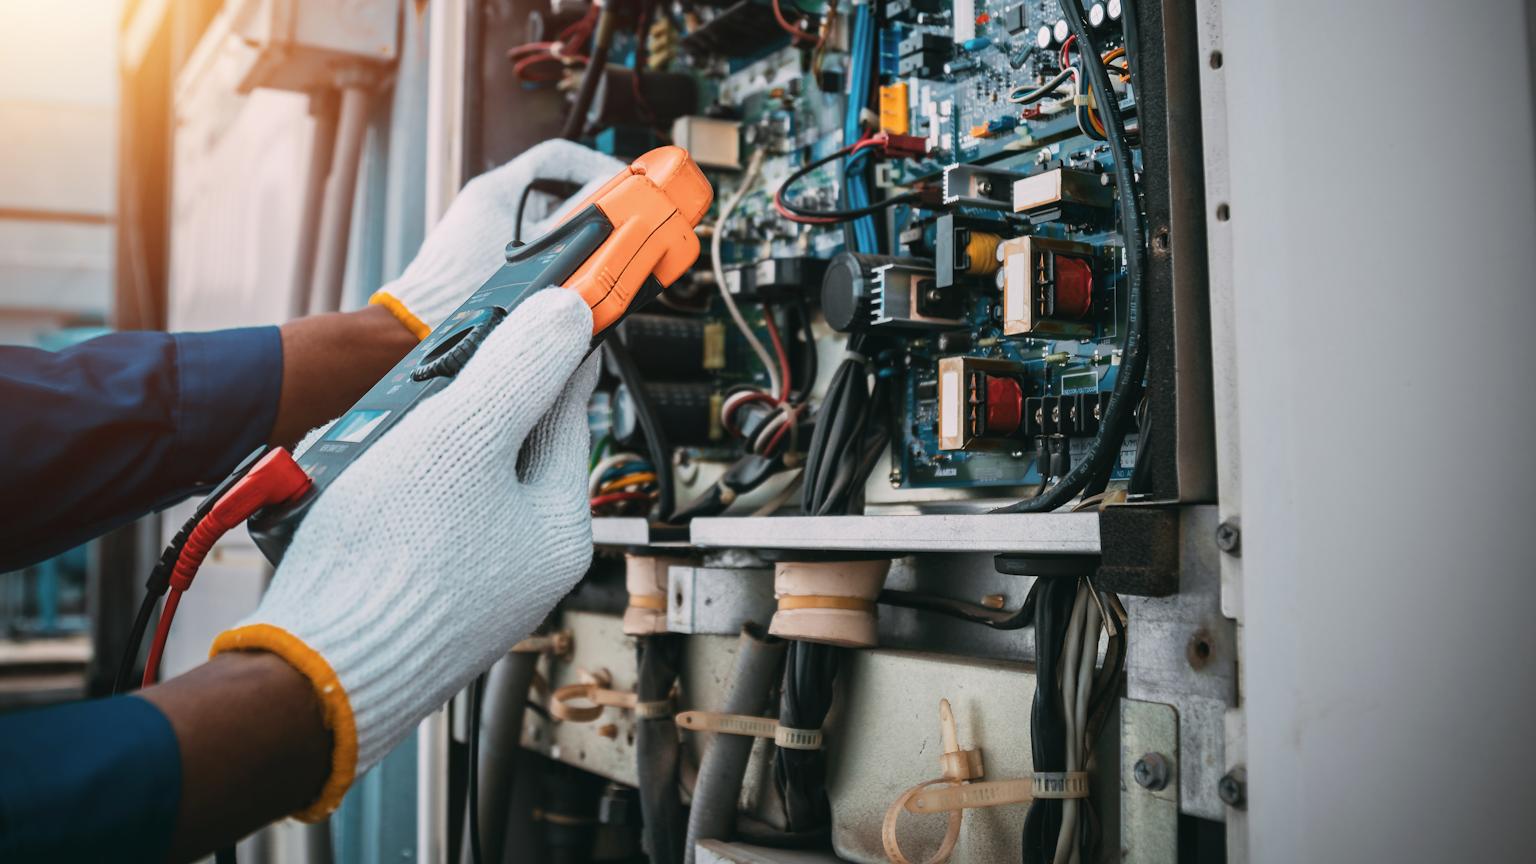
{"x":627,"y":481}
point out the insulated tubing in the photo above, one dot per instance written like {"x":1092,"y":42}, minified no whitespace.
{"x":713,"y":816}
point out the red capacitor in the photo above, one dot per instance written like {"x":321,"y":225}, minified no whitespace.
{"x":1005,"y":406}
{"x":1074,"y":287}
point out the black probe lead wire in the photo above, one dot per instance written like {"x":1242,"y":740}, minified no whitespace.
{"x":476,"y":694}
{"x":1133,"y":358}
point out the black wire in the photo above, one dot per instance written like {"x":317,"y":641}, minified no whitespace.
{"x":782,"y":196}
{"x":476,"y":694}
{"x":814,"y":461}
{"x":810,"y":671}
{"x":997,"y":619}
{"x":1106,"y":444}
{"x":808,"y":358}
{"x":1043,"y":90}
{"x":517,"y":221}
{"x":130,"y":656}
{"x":1048,"y":729}
{"x":650,"y":425}
{"x":602,"y":43}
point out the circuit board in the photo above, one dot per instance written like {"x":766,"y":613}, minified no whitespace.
{"x":958,"y":101}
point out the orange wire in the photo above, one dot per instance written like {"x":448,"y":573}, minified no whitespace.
{"x":778,"y":15}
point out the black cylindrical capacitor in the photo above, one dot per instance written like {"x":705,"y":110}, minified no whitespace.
{"x":664,"y":347}
{"x":845,"y":288}
{"x":682,"y":409}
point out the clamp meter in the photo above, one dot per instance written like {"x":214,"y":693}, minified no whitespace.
{"x":618,"y":249}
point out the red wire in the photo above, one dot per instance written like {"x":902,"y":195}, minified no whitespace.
{"x":162,"y":630}
{"x":778,"y":15}
{"x":779,"y":435}
{"x":778,"y":350}
{"x":736,"y":406}
{"x":614,"y":497}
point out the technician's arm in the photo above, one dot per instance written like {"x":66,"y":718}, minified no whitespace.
{"x":99,"y":434}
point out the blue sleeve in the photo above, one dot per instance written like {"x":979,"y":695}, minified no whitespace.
{"x":88,"y":781}
{"x":99,"y":434}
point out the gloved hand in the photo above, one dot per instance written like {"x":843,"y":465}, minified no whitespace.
{"x":469,"y":243}
{"x":441,"y":546}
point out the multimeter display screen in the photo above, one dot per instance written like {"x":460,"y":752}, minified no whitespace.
{"x":355,"y":426}
{"x":546,"y":262}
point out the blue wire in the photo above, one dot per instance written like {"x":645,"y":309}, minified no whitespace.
{"x":861,"y":56}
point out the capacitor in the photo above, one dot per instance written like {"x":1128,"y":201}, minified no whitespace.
{"x":1115,"y":10}
{"x":1097,"y":15}
{"x":1061,"y":31}
{"x":682,"y":409}
{"x":980,"y":43}
{"x":955,"y":67}
{"x":1043,"y":36}
{"x":846,"y":300}
{"x":664,"y":347}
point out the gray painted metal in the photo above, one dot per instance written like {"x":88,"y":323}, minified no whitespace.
{"x":718,"y":600}
{"x":1149,"y":818}
{"x":620,"y":531}
{"x":1183,"y":652}
{"x":1060,"y":533}
{"x":885,"y":737}
{"x":1386,"y":611}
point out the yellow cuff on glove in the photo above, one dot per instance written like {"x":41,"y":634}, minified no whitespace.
{"x":418,"y":327}
{"x":335,"y":708}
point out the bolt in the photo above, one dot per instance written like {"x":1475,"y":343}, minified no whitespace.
{"x":1151,"y":772}
{"x":1229,"y":538}
{"x":1233,"y":788}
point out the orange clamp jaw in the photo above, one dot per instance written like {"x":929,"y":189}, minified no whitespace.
{"x":653,"y":205}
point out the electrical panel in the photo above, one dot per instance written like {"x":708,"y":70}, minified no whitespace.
{"x":910,"y":185}
{"x":936,"y":294}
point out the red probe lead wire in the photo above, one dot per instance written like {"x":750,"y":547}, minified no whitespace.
{"x":273,"y":480}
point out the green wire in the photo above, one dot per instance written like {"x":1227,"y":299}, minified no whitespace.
{"x":597,"y":452}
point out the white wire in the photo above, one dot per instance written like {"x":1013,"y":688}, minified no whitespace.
{"x":601,"y":467}
{"x":733,"y":403}
{"x":765,"y":434}
{"x":1089,"y":655}
{"x":753,"y":166}
{"x":1066,"y":838}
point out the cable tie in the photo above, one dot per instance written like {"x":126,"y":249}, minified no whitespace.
{"x":559,"y":643}
{"x":959,"y":766}
{"x":997,"y":793}
{"x":600,"y":697}
{"x":787,"y":737}
{"x":655,"y":710}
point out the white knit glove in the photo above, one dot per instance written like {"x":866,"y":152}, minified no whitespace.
{"x":469,"y":244}
{"x":440,"y":547}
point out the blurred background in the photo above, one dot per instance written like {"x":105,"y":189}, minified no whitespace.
{"x":58,"y":204}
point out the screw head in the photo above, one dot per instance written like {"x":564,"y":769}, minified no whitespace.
{"x":1229,"y":538}
{"x":1151,"y":772}
{"x":984,"y":186}
{"x":1232,"y":788}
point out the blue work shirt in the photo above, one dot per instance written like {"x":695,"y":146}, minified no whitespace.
{"x":91,"y":438}
{"x":99,"y":434}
